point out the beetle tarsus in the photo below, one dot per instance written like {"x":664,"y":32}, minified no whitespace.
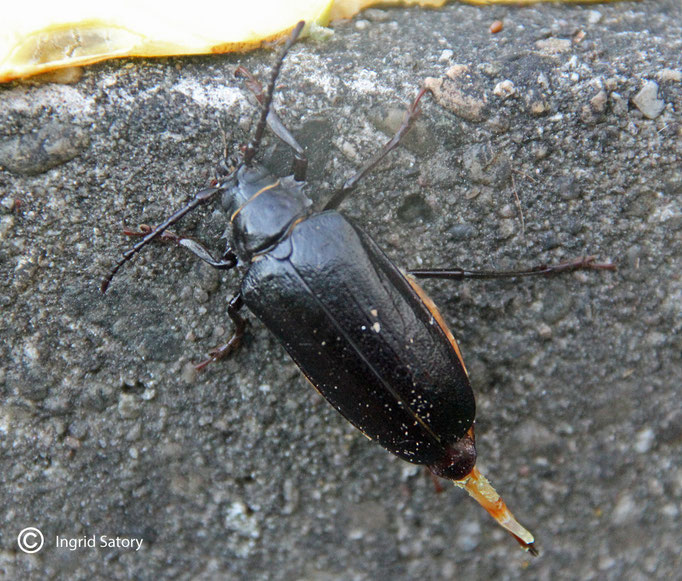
{"x":582,"y":263}
{"x":144,"y":229}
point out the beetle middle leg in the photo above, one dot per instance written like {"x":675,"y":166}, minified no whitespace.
{"x":233,"y":343}
{"x":227,"y":261}
{"x":350,"y":184}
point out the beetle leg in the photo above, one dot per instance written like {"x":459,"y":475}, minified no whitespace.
{"x":437,"y":486}
{"x":226,"y":262}
{"x":410,"y":116}
{"x":583,"y":263}
{"x":300,"y":164}
{"x":222,"y":351}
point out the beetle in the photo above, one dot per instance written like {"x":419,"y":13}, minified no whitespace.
{"x":362,"y":331}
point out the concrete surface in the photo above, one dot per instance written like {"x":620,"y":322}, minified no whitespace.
{"x":243,"y":472}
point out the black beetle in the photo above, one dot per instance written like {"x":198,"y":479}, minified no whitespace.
{"x":363,"y":332}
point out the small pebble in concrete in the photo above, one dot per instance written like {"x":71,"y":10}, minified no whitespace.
{"x":644,"y":440}
{"x":504,"y":89}
{"x":647,"y":101}
{"x":496,"y":27}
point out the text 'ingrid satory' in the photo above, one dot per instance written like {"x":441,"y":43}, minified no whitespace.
{"x":98,"y":541}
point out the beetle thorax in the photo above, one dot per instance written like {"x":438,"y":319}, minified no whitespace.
{"x":261,"y":207}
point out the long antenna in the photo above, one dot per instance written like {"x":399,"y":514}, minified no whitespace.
{"x":200,"y":198}
{"x":252,"y":147}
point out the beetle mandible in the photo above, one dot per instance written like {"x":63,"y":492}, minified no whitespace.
{"x":362,"y":331}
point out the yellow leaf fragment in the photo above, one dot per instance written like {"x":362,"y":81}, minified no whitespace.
{"x":44,"y":35}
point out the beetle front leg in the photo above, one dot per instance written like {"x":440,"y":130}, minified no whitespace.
{"x":300,"y":164}
{"x":222,"y":351}
{"x":201,"y":197}
{"x":226,"y":262}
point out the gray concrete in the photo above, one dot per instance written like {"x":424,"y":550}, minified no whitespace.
{"x":243,"y":472}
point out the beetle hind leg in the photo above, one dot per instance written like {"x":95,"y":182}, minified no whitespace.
{"x":582,"y":263}
{"x":233,"y":343}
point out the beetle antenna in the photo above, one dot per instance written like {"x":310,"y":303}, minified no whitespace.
{"x":200,"y":198}
{"x":252,"y":147}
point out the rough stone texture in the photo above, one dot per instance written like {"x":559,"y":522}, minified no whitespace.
{"x":243,"y":472}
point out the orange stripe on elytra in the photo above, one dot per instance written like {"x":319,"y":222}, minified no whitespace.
{"x":433,"y":309}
